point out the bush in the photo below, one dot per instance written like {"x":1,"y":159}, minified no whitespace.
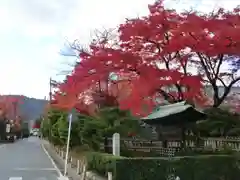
{"x":220,"y":122}
{"x":195,"y":152}
{"x":194,"y":168}
{"x":102,"y":163}
{"x":185,"y":152}
{"x":187,"y":168}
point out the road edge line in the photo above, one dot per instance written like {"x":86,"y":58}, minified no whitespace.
{"x":52,"y":161}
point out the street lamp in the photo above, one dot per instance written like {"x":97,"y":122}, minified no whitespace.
{"x":68,"y":142}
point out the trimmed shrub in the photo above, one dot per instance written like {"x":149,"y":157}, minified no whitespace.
{"x":208,"y":167}
{"x":102,"y":163}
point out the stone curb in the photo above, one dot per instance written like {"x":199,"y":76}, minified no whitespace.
{"x":71,"y":172}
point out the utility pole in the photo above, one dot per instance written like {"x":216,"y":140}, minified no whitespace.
{"x":50,"y":99}
{"x":52,"y":84}
{"x":50,"y":89}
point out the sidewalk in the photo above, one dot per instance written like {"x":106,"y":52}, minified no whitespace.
{"x":73,"y":171}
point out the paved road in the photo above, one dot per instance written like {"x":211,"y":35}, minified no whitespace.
{"x":26,"y":160}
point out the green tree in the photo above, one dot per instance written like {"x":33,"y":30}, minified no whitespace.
{"x":220,"y":122}
{"x":109,"y":121}
{"x":48,"y":124}
{"x":55,"y":136}
{"x":89,"y":130}
{"x":63,"y":129}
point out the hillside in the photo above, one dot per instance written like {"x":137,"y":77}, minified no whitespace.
{"x":31,"y":108}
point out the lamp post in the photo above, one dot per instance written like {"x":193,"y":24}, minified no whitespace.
{"x":68,"y":142}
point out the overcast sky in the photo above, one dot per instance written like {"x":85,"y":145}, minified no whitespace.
{"x":33,"y":32}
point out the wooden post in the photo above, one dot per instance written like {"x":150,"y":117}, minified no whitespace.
{"x":70,"y":159}
{"x":78,"y":167}
{"x":110,"y":176}
{"x":84,"y":173}
{"x":116,"y":144}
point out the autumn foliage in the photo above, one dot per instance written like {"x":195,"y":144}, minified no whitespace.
{"x":9,"y":106}
{"x":164,"y":56}
{"x":9,"y":109}
{"x":36,"y":125}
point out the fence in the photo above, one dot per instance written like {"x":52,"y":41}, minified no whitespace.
{"x":145,"y":145}
{"x":78,"y":165}
{"x":173,"y":145}
{"x":75,"y":163}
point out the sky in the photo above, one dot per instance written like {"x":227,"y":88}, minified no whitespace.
{"x":33,"y":33}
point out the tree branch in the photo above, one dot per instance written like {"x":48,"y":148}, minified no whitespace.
{"x":228,"y":89}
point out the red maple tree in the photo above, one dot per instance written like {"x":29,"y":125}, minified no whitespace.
{"x":213,"y":40}
{"x":155,"y":53}
{"x":103,"y":93}
{"x":9,"y":106}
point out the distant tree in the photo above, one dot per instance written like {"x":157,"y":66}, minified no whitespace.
{"x":220,"y":123}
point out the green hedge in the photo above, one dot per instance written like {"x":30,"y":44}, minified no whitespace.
{"x":194,"y":168}
{"x":221,"y":167}
{"x":186,"y":152}
{"x":102,"y":163}
{"x":195,"y":152}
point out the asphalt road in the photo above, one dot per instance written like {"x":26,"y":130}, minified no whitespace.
{"x":26,"y":160}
